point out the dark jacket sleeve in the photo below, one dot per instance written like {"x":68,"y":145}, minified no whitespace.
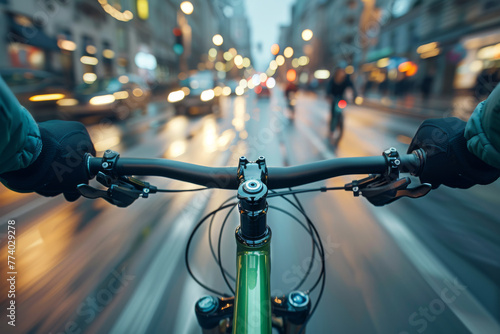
{"x":20,"y":141}
{"x":329,"y":88}
{"x":483,"y":130}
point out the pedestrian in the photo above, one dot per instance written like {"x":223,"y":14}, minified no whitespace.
{"x":426,"y":85}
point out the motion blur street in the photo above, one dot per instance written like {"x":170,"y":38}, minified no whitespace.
{"x":207,"y":82}
{"x":383,"y":264}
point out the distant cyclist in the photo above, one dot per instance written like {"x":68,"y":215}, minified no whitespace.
{"x":335,"y":91}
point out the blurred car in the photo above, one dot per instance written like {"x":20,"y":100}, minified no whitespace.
{"x":197,"y":96}
{"x":37,"y":91}
{"x":262,"y":91}
{"x":118,"y":97}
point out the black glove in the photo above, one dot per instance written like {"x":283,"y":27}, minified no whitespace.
{"x":60,"y":167}
{"x":449,"y":162}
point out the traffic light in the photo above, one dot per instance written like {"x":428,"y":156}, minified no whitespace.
{"x":178,"y":46}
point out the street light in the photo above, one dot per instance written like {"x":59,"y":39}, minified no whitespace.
{"x":218,"y":40}
{"x":307,"y":34}
{"x":275,"y":49}
{"x":280,"y":60}
{"x":238,"y":60}
{"x":187,"y":7}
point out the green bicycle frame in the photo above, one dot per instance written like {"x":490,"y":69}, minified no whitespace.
{"x":252,"y":308}
{"x":252,"y":313}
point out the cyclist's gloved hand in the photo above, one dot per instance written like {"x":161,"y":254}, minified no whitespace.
{"x":60,"y":167}
{"x":449,"y":162}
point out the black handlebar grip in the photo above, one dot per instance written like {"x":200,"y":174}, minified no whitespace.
{"x":413,"y":163}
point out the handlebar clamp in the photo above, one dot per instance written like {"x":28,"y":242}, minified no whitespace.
{"x":122,"y":190}
{"x":109,"y":160}
{"x":391,"y":155}
{"x":386,"y":188}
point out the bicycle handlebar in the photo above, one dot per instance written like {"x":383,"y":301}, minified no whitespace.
{"x":279,"y":177}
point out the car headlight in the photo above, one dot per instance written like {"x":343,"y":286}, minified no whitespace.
{"x":46,"y":97}
{"x":67,"y":102}
{"x":207,"y":95}
{"x":121,"y":95}
{"x":102,"y":100}
{"x":176,"y":96}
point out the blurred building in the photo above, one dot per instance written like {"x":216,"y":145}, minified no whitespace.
{"x":224,"y":17}
{"x":305,"y":14}
{"x":344,"y":43}
{"x":449,"y":43}
{"x":335,"y":27}
{"x":198,"y":30}
{"x":234,"y":26}
{"x":402,"y":46}
{"x":84,"y":39}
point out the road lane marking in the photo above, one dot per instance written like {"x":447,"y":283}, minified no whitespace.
{"x":21,"y":211}
{"x":187,"y":323}
{"x":466,"y":307}
{"x":138,"y":313}
{"x":140,"y":309}
{"x":316,"y":141}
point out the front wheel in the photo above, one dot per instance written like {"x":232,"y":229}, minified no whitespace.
{"x":336,"y":128}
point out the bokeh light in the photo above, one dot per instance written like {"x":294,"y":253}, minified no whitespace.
{"x":217,"y":40}
{"x":307,"y":34}
{"x":187,"y":7}
{"x":288,"y":53}
{"x":275,"y":49}
{"x":280,"y":60}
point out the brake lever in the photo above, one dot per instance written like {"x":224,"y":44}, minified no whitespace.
{"x":116,"y":195}
{"x":380,"y":190}
{"x":122,"y":191}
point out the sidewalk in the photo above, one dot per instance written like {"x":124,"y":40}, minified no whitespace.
{"x":459,"y":106}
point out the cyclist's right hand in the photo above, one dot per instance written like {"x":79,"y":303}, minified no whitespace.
{"x":448,"y":161}
{"x":60,"y":167}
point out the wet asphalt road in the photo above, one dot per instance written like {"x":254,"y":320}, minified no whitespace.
{"x":429,"y":265}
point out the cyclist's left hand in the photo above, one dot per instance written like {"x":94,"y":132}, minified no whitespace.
{"x":60,"y":167}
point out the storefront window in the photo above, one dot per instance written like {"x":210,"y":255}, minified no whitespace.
{"x":89,"y":59}
{"x":481,"y":61}
{"x":26,"y":56}
{"x":63,"y":61}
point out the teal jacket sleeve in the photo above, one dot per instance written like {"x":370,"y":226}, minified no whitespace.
{"x":483,"y":130}
{"x":20,"y":141}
